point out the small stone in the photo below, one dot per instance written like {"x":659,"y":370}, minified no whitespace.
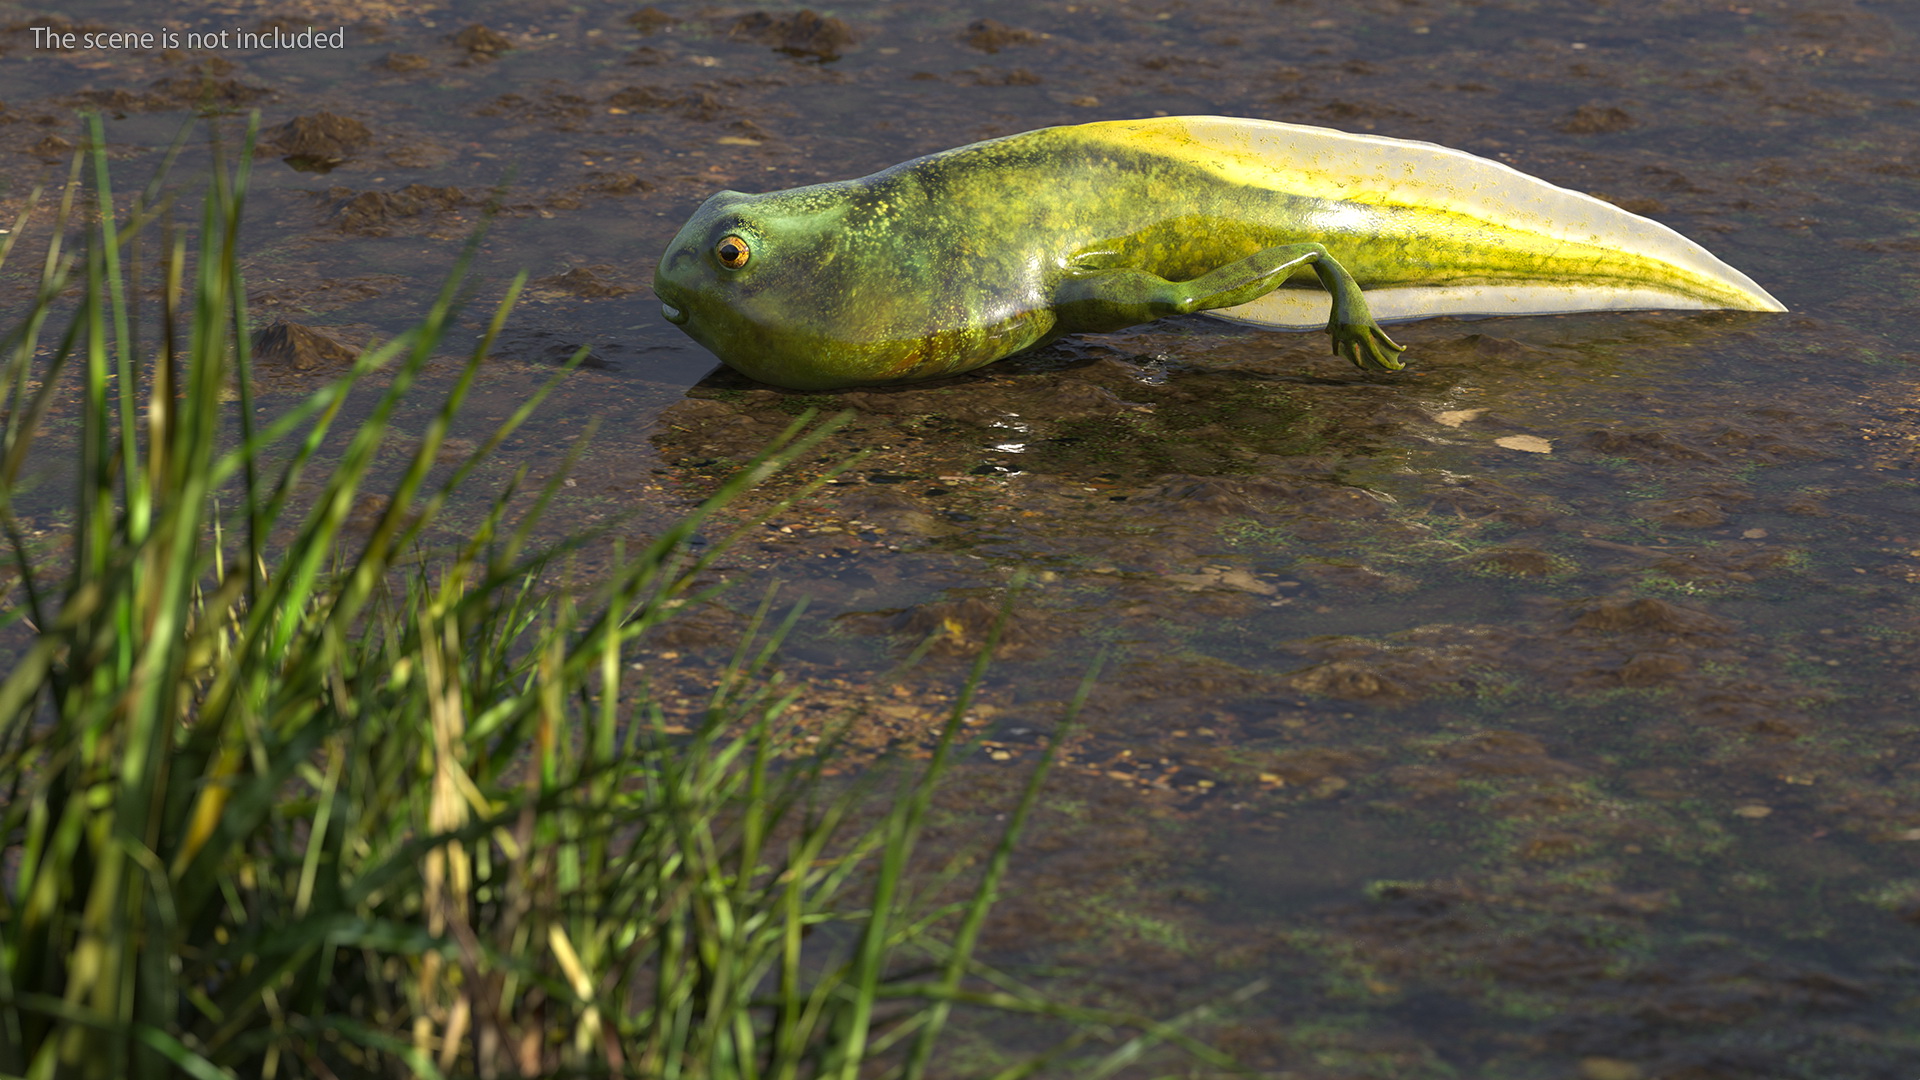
{"x":1754,"y":534}
{"x":1456,"y":417}
{"x":1753,"y":811}
{"x":1532,"y":444}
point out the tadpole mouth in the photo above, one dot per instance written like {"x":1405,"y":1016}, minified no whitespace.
{"x":675,"y":313}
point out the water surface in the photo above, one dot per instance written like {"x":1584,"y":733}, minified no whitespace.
{"x":1545,"y":711}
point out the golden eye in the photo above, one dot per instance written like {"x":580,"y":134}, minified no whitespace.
{"x":733,"y":252}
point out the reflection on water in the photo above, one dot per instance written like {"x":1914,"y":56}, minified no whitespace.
{"x":1545,"y":711}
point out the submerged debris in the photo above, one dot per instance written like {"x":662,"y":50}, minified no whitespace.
{"x":990,"y":36}
{"x":1598,"y":120}
{"x":318,"y":142}
{"x":374,"y":213}
{"x":300,"y":348}
{"x":591,"y":282}
{"x":481,"y":42}
{"x":803,"y":33}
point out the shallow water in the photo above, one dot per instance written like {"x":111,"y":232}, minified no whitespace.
{"x":1545,"y":711}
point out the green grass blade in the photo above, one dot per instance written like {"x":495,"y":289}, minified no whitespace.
{"x":988,"y":891}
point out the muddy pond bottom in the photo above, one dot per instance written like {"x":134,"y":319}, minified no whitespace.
{"x":1546,"y":711}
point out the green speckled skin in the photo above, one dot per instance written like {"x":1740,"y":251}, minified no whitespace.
{"x":955,"y":260}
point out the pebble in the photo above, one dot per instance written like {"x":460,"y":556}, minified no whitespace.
{"x":1756,"y":811}
{"x":1532,"y":444}
{"x":1456,"y":417}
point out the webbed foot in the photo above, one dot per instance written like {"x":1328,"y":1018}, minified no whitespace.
{"x":1367,"y":346}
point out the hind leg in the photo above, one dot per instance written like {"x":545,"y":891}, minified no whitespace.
{"x":1113,"y":299}
{"x":1355,"y":335}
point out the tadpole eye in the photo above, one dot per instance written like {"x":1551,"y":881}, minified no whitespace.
{"x":733,"y":252}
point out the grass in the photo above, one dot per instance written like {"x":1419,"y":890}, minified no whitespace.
{"x":285,"y":799}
